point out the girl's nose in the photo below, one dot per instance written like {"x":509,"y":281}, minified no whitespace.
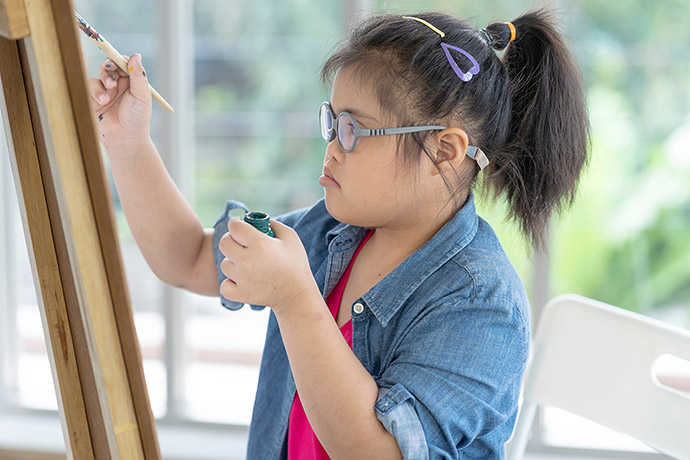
{"x":333,"y":152}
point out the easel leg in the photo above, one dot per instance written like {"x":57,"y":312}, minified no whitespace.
{"x":33,"y":204}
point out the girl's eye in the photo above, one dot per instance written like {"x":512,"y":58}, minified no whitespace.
{"x":351,"y":129}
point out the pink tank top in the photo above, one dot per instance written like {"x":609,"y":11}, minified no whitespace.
{"x":302,"y":442}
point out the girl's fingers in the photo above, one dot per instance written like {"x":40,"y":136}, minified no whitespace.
{"x":98,"y":92}
{"x":108,"y":78}
{"x":113,"y":81}
{"x":109,"y":74}
{"x":139,"y":86}
{"x":228,"y":246}
{"x":227,"y":268}
{"x":108,"y":67}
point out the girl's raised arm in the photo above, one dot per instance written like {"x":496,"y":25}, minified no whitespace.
{"x":166,"y":229}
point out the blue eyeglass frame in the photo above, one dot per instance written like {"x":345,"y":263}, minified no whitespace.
{"x":361,"y":132}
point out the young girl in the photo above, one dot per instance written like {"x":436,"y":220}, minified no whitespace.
{"x":399,"y":327}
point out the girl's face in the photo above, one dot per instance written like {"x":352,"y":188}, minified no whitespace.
{"x":371,"y":186}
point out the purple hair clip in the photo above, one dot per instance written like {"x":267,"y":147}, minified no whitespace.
{"x":464,"y":76}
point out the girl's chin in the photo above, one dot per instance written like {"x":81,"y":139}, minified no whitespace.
{"x":343,"y":215}
{"x":331,"y":207}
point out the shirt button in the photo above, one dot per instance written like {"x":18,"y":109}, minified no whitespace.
{"x":358,"y":308}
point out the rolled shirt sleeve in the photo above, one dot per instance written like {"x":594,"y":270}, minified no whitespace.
{"x":220,"y":228}
{"x":395,"y":410}
{"x":452,"y":387}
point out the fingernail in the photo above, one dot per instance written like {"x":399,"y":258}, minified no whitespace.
{"x":102,"y":98}
{"x":138,"y":59}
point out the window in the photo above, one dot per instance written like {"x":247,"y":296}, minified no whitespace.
{"x":256,"y":141}
{"x":243,"y":78}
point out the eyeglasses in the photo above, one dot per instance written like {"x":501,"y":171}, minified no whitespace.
{"x":347,"y":131}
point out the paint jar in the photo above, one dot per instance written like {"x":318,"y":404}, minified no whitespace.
{"x":260,"y":221}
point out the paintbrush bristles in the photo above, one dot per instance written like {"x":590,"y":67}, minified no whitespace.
{"x":87,"y":29}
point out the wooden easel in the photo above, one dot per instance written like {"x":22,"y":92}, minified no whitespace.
{"x":69,"y":221}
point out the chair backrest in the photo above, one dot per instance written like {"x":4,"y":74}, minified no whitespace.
{"x":596,"y":360}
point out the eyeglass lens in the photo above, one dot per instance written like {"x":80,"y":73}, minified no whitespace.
{"x":326,"y":119}
{"x":346,"y":132}
{"x":343,"y":124}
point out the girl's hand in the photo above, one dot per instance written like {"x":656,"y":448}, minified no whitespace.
{"x":262,"y":270}
{"x":122,"y":105}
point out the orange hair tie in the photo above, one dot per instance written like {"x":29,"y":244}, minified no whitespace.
{"x":513,"y":32}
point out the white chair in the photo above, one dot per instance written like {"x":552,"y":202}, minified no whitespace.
{"x":595,"y":360}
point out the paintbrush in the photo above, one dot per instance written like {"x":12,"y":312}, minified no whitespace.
{"x":114,"y":55}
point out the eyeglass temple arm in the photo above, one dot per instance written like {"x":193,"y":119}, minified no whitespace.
{"x":473,"y":152}
{"x":406,"y":130}
{"x":478,"y":155}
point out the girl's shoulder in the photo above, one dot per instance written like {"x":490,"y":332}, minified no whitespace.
{"x":486,"y":272}
{"x":485,"y":258}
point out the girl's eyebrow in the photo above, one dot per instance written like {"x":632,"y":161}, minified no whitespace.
{"x":354,"y":112}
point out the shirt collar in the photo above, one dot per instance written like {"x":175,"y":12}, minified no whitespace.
{"x":389,"y":294}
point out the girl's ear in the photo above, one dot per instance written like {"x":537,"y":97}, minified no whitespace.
{"x":451,"y":148}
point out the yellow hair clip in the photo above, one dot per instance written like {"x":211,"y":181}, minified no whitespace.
{"x":442,"y":34}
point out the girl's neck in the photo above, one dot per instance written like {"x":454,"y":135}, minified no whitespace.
{"x":401,"y":240}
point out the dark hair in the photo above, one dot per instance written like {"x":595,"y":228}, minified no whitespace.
{"x":525,"y":110}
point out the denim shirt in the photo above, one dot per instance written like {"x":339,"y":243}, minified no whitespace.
{"x":445,"y":336}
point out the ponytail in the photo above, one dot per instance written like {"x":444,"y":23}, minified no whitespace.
{"x":547,"y":144}
{"x":526,"y":111}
